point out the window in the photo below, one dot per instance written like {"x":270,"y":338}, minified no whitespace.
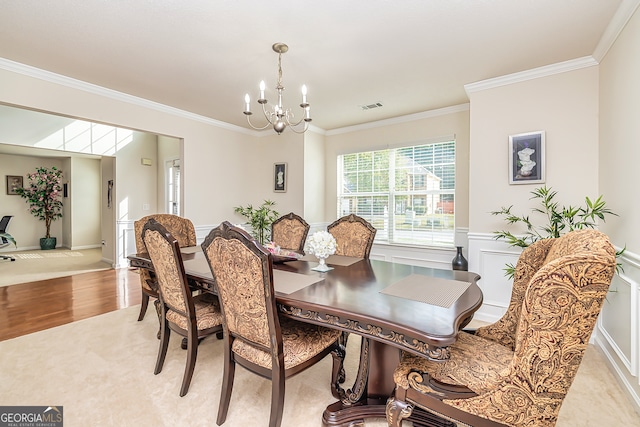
{"x":407,"y":193}
{"x":173,"y":186}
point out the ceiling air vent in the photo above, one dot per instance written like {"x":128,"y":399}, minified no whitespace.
{"x":371,"y":106}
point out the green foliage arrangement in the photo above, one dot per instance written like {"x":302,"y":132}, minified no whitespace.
{"x":260,"y":219}
{"x":43,"y":195}
{"x":559,"y":220}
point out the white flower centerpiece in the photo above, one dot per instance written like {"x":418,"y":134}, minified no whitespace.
{"x":321,"y":244}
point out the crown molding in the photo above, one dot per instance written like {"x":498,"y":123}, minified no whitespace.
{"x":615,"y":27}
{"x":535,"y":73}
{"x":400,"y":119}
{"x":37,"y":73}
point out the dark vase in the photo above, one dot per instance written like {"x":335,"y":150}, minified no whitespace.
{"x":47,"y":243}
{"x":459,"y":262}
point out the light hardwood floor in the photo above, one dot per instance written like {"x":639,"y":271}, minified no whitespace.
{"x":35,"y":306}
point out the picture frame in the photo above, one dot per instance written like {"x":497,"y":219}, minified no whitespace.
{"x":279,"y":177}
{"x":527,"y":158}
{"x":13,"y":183}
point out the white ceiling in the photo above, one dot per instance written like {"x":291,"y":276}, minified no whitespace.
{"x":202,"y":56}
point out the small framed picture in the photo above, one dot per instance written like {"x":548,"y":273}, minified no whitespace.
{"x":280,"y":177}
{"x":13,"y":183}
{"x":526,"y":158}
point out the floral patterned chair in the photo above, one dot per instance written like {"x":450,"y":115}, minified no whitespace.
{"x":517,"y":372}
{"x":180,"y":228}
{"x":255,"y":335}
{"x":354,"y":236}
{"x":189,"y":316}
{"x":290,"y":232}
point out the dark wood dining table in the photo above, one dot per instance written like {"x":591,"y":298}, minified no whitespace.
{"x":392,"y":306}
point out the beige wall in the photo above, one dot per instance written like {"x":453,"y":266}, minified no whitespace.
{"x":24,"y":227}
{"x":619,"y":153}
{"x":620,"y":135}
{"x":565,"y":107}
{"x":222,"y":166}
{"x":85,"y":203}
{"x":446,"y":122}
{"x":314,"y":178}
{"x":136,"y":183}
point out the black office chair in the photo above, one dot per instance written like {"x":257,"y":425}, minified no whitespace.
{"x":5,"y":237}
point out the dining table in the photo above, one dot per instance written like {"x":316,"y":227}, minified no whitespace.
{"x":393,"y":307}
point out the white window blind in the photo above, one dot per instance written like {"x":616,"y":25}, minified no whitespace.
{"x":407,"y":193}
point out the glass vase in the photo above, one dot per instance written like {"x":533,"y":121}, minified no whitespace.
{"x":322,"y":265}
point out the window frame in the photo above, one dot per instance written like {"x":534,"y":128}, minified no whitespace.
{"x":438,"y":231}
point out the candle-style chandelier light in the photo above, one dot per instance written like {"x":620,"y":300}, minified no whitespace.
{"x":279,"y":117}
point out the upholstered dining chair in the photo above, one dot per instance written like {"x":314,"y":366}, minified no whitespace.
{"x":290,"y":232}
{"x":255,"y":336}
{"x":354,"y":236}
{"x":492,"y":380}
{"x":181,"y":229}
{"x":193,"y":317}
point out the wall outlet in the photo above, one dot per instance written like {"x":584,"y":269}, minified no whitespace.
{"x":145,"y":206}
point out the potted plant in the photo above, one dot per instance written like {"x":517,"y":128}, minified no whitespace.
{"x":558,"y":221}
{"x":43,"y":195}
{"x":260,"y":219}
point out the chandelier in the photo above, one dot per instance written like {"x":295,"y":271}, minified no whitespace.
{"x":279,"y":117}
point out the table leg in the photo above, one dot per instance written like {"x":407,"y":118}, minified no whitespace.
{"x":373,"y":385}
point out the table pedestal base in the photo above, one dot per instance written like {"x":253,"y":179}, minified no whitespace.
{"x":372,"y":387}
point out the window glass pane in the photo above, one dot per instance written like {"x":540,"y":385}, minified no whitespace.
{"x":365,"y":181}
{"x":406,"y":193}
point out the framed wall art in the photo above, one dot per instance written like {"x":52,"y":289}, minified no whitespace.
{"x":13,"y":183}
{"x":280,"y":177}
{"x":526,"y":158}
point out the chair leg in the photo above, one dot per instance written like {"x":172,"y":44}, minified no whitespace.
{"x":160,"y":314}
{"x":143,"y":306}
{"x":277,"y":397}
{"x":192,"y":354}
{"x":227,"y":383}
{"x":165,"y":332}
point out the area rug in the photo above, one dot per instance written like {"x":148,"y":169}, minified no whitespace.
{"x":34,"y":265}
{"x":100,"y":370}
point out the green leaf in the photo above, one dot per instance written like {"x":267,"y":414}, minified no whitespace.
{"x":558,"y":220}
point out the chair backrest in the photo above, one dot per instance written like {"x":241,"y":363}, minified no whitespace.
{"x":4,"y":223}
{"x":559,"y":312}
{"x":164,"y":252}
{"x":354,"y":236}
{"x":181,"y":229}
{"x":531,"y":259}
{"x":290,"y":232}
{"x":244,"y":280}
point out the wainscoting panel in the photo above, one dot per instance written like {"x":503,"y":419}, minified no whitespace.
{"x":488,"y":258}
{"x":618,"y":329}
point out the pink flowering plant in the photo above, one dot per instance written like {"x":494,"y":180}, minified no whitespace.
{"x":43,"y":195}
